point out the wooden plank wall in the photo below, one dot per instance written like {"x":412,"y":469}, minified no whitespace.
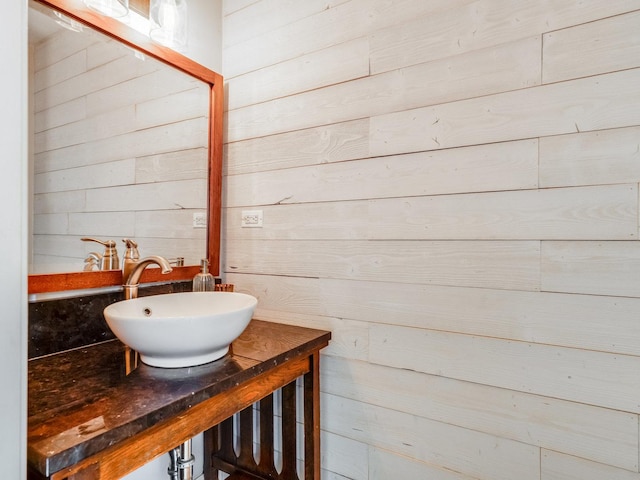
{"x":451,"y":187}
{"x":120,"y":150}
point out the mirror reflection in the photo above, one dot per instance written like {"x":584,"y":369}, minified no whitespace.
{"x":119,"y":149}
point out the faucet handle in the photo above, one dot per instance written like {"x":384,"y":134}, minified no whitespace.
{"x":109,"y":260}
{"x":131,"y":257}
{"x":106,"y":243}
{"x":131,"y":253}
{"x":178,"y":261}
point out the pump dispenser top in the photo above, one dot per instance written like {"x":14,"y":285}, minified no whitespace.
{"x":203,"y":281}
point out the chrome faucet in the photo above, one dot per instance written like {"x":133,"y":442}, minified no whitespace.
{"x":133,"y":267}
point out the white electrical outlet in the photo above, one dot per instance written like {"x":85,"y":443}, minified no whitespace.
{"x":199,"y":220}
{"x":251,"y":219}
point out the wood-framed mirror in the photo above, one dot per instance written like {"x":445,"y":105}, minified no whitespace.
{"x":129,"y":37}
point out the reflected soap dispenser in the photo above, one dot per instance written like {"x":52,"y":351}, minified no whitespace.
{"x":203,"y":281}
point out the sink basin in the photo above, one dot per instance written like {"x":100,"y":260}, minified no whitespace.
{"x":181,"y":329}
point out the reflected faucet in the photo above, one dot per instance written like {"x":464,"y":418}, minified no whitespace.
{"x":132,"y":271}
{"x":107,"y":261}
{"x":92,"y":260}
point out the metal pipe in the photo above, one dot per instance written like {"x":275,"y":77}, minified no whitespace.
{"x":182,"y":461}
{"x":185,"y":461}
{"x":172,"y":471}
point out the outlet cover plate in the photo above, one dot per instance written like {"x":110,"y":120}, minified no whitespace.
{"x":199,"y":220}
{"x":251,"y":219}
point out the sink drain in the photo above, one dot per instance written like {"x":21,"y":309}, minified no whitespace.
{"x":147,"y":312}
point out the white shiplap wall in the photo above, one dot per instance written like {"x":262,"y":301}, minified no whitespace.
{"x":120,"y":150}
{"x":450,"y":187}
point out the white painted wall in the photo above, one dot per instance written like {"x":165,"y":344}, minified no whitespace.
{"x":205,"y":33}
{"x":13,"y":241}
{"x":451,"y":187}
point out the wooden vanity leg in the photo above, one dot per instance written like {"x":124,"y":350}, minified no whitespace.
{"x":289,"y":433}
{"x":267,"y":464}
{"x":312,"y":419}
{"x":246,"y":458}
{"x":211,"y":444}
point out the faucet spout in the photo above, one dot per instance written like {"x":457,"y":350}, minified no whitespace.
{"x":134,"y":272}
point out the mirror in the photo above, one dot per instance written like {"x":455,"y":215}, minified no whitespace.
{"x":127,"y":143}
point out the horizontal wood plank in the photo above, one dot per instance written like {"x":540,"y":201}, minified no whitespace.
{"x":171,"y":166}
{"x":606,"y":101}
{"x":255,"y":18}
{"x":558,"y":466}
{"x":90,"y":129}
{"x":582,"y":213}
{"x":589,"y":322}
{"x":489,"y":71}
{"x":330,"y":143}
{"x":586,"y":431}
{"x":121,"y":172}
{"x":479,"y":25}
{"x":344,"y":22}
{"x":385,"y":464}
{"x":595,"y":378}
{"x":103,"y":224}
{"x":56,"y":48}
{"x":489,"y":264}
{"x":490,"y":168}
{"x":345,"y":456}
{"x":162,"y":139}
{"x":65,"y":69}
{"x":92,"y":81}
{"x":149,"y":196}
{"x":594,"y":48}
{"x":597,"y":268}
{"x":67,"y":112}
{"x":590,"y":158}
{"x":475,"y":454}
{"x":230,"y":7}
{"x":340,"y":63}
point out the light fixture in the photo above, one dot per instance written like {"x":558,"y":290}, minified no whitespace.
{"x":168,"y":20}
{"x":110,"y":8}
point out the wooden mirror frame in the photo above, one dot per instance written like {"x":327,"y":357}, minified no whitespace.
{"x":128,"y":36}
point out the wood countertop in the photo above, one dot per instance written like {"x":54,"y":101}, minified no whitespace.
{"x":84,"y":401}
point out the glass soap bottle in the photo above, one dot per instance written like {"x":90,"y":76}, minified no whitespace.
{"x":203,"y":281}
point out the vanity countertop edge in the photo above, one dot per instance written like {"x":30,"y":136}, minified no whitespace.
{"x":85,"y":400}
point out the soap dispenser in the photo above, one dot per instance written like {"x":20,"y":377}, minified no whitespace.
{"x":203,"y":281}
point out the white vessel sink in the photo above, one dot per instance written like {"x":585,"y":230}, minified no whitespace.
{"x":181,"y":329}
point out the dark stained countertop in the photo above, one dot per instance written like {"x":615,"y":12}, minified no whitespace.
{"x":83,"y":401}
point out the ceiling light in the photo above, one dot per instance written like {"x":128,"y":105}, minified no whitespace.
{"x":169,"y":23}
{"x":110,"y":8}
